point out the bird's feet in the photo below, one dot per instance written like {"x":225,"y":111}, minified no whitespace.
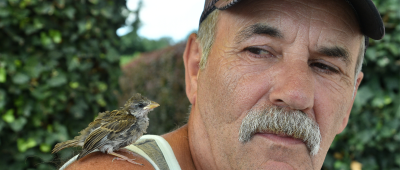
{"x":123,"y":158}
{"x":129,"y":160}
{"x":127,"y":151}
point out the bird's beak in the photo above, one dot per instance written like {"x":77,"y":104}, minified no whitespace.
{"x":152,"y":105}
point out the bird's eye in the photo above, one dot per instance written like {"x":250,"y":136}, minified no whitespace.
{"x":141,"y":105}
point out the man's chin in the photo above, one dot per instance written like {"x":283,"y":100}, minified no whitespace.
{"x":277,"y":165}
{"x":278,"y":152}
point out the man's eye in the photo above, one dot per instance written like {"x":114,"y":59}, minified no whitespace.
{"x":258,"y":52}
{"x":324,"y":68}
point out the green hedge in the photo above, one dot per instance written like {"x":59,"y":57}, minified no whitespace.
{"x":59,"y":67}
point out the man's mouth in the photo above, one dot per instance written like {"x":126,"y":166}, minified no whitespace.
{"x":280,"y":138}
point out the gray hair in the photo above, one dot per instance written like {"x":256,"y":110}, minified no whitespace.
{"x":206,"y":36}
{"x":360,"y":58}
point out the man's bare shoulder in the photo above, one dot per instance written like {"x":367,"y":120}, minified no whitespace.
{"x":100,"y":161}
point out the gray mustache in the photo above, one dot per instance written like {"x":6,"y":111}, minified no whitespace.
{"x":278,"y":120}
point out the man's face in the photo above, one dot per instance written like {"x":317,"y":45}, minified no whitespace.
{"x":291,"y":54}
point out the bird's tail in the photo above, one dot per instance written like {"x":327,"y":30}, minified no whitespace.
{"x":66,"y":144}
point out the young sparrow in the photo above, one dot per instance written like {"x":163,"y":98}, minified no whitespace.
{"x":113,"y":130}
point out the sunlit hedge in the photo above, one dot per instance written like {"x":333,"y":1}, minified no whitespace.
{"x":59,"y":67}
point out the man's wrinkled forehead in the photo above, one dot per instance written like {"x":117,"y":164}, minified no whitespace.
{"x":330,"y":28}
{"x":289,"y":16}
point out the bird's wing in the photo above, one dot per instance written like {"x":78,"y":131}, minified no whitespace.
{"x":123,"y":123}
{"x":107,"y":115}
{"x":117,"y":124}
{"x":94,"y":141}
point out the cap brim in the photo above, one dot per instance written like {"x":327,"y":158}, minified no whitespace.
{"x":369,"y":18}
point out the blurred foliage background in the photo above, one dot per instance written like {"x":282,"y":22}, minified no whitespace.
{"x":61,"y":63}
{"x":59,"y":66}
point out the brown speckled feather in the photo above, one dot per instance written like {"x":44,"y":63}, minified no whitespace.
{"x":113,"y":130}
{"x":118,"y":123}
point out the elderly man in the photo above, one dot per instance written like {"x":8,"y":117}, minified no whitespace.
{"x":271,"y":83}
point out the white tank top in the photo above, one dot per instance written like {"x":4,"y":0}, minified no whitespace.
{"x":153,"y":148}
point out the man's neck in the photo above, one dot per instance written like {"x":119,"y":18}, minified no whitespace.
{"x":179,"y":142}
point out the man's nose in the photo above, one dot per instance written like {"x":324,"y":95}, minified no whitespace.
{"x":293,"y":86}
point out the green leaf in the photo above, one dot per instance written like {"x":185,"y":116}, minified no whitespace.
{"x":60,"y":3}
{"x":74,"y":85}
{"x":36,"y":121}
{"x":88,"y":25}
{"x":363,"y":95}
{"x":69,"y":12}
{"x":106,"y":12}
{"x":73,"y":63}
{"x":24,"y":145}
{"x":18,"y":124}
{"x":94,"y":1}
{"x":100,"y":100}
{"x":397,"y":159}
{"x":102,"y":86}
{"x":112,"y":55}
{"x":2,"y":124}
{"x":2,"y":99}
{"x":58,"y":80}
{"x":378,"y":101}
{"x":24,"y":3}
{"x":4,"y":12}
{"x":55,"y":36}
{"x":46,"y":40}
{"x":94,"y":12}
{"x":383,"y":62}
{"x":3,"y":75}
{"x":20,"y":78}
{"x":387,"y":100}
{"x":35,"y":26}
{"x":41,"y":92}
{"x":397,"y":113}
{"x":45,"y":147}
{"x":45,"y":8}
{"x":338,"y":164}
{"x":62,"y":134}
{"x":9,"y":116}
{"x":38,"y":23}
{"x":33,"y":67}
{"x":81,"y":27}
{"x":50,"y":128}
{"x":17,"y":63}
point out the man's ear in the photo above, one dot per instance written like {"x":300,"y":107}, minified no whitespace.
{"x":191,"y":58}
{"x":346,"y":118}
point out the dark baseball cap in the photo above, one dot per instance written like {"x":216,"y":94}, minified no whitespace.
{"x":370,"y":20}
